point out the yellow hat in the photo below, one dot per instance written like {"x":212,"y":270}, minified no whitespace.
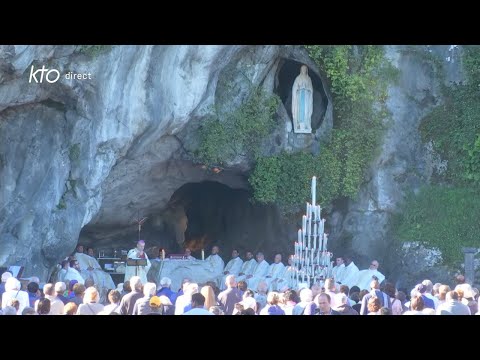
{"x":155,"y":301}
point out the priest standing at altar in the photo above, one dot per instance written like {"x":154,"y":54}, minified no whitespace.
{"x":140,"y":271}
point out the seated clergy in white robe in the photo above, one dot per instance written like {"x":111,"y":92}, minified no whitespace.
{"x":350,"y":273}
{"x":216,"y":263}
{"x":233,"y":267}
{"x":72,"y":273}
{"x":140,"y":271}
{"x":247,"y":267}
{"x":90,"y":268}
{"x":274,"y":273}
{"x":288,"y":279}
{"x":338,"y":270}
{"x":365,"y":277}
{"x":259,"y":272}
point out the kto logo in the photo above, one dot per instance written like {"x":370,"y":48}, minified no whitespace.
{"x":51,"y":78}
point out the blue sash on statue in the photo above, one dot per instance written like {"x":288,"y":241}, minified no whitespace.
{"x":301,"y":106}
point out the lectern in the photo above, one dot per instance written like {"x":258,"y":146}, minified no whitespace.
{"x":136,"y":263}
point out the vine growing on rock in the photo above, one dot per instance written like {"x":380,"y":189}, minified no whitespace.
{"x":225,"y":137}
{"x":358,"y":77}
{"x":445,"y":214}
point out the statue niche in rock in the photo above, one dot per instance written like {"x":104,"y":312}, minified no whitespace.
{"x":302,"y":102}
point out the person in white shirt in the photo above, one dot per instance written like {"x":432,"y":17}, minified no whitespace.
{"x":198,"y":303}
{"x":233,"y":267}
{"x":12,"y":291}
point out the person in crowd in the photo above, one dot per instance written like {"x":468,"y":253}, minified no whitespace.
{"x":323,"y":303}
{"x":344,"y":308}
{"x":78,"y":291}
{"x":128,"y":301}
{"x":416,"y":305}
{"x":70,"y":308}
{"x":210,"y":299}
{"x":272,"y":307}
{"x":142,"y":305}
{"x":165,"y":289}
{"x":43,"y":306}
{"x":229,"y":297}
{"x":184,"y":302}
{"x":33,"y":293}
{"x":13,"y":291}
{"x":198,"y":306}
{"x":90,"y":305}
{"x":453,"y":306}
{"x":114,"y":297}
{"x":60,"y":289}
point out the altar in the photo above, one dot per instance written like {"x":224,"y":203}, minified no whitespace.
{"x":199,"y":271}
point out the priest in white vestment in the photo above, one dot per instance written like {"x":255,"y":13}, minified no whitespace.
{"x":259,"y":272}
{"x":274,"y":273}
{"x":90,"y":268}
{"x":350,"y":273}
{"x":216,"y":262}
{"x":338,"y":270}
{"x":247,"y":267}
{"x":73,"y":273}
{"x":288,"y":279}
{"x":140,"y":271}
{"x":233,"y":267}
{"x":365,"y":277}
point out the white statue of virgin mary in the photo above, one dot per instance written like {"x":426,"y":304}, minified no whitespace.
{"x":302,"y":102}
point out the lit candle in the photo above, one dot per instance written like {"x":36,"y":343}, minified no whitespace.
{"x":314,"y":190}
{"x":203,"y":254}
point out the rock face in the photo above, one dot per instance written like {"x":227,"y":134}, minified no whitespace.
{"x":403,"y":163}
{"x":84,"y":158}
{"x":100,"y":151}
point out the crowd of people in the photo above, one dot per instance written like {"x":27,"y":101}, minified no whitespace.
{"x":250,"y":287}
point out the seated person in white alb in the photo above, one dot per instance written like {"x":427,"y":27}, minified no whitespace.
{"x":274,"y":273}
{"x":233,"y":267}
{"x":72,"y":273}
{"x":288,"y":279}
{"x":338,"y":270}
{"x":365,"y":277}
{"x":247,"y":267}
{"x":259,"y":272}
{"x":216,"y":262}
{"x":90,"y":268}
